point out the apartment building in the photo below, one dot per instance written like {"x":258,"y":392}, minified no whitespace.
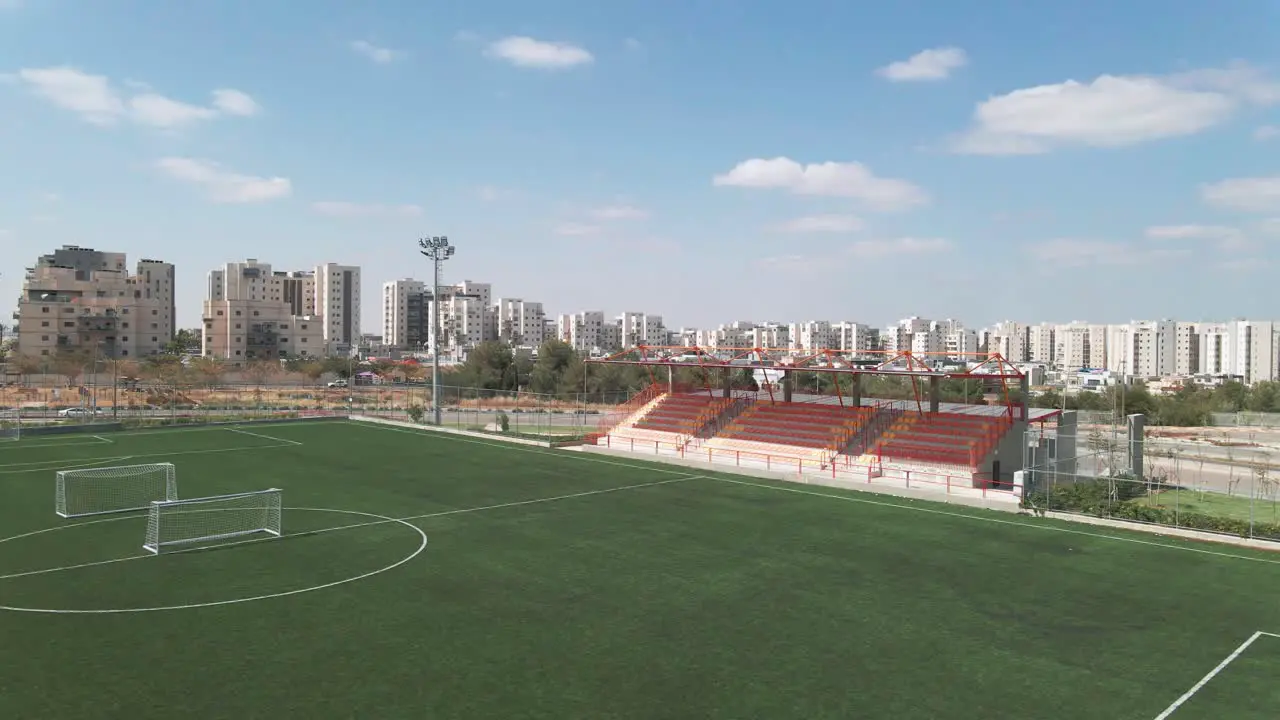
{"x":247,"y":316}
{"x":83,"y":299}
{"x":404,"y":318}
{"x":521,"y":322}
{"x":855,"y":339}
{"x":582,"y":331}
{"x":1186,"y":348}
{"x":467,"y":316}
{"x":1010,"y":339}
{"x":810,"y":337}
{"x":337,"y":303}
{"x":298,"y":290}
{"x":637,"y":328}
{"x":1041,"y":343}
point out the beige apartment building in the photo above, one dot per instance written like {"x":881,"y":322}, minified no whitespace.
{"x":250,"y":313}
{"x":83,"y":299}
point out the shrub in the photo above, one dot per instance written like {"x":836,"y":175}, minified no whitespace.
{"x":415,"y":413}
{"x":504,"y":422}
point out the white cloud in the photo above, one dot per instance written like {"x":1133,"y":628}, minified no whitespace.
{"x":632,"y":44}
{"x":1266,"y":132}
{"x":234,"y":102}
{"x":90,"y":96}
{"x":931,"y":64}
{"x":619,"y":212}
{"x":224,"y":186}
{"x":336,"y":208}
{"x":380,"y":55}
{"x":1228,"y":239}
{"x":832,"y":179}
{"x":822,"y":223}
{"x":867,"y":249}
{"x":97,"y":101}
{"x":162,"y":112}
{"x":1112,"y":111}
{"x":574,"y":229}
{"x":527,"y":52}
{"x":1257,"y":194}
{"x":1072,"y":252}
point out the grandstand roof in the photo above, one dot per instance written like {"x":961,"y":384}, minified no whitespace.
{"x":1033,"y":414}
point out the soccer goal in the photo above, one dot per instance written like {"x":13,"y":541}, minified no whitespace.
{"x":181,"y":522}
{"x":10,"y":425}
{"x":95,"y":491}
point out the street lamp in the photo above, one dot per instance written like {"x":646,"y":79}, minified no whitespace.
{"x":436,"y":249}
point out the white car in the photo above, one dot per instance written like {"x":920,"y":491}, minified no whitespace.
{"x":76,"y":412}
{"x":338,"y":384}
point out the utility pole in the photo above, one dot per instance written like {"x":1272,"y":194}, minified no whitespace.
{"x":436,"y":249}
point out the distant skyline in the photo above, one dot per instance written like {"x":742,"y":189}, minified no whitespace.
{"x":816,"y":160}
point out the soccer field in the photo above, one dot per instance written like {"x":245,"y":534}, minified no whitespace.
{"x":423,"y":575}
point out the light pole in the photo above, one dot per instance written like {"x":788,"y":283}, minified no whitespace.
{"x":436,"y":249}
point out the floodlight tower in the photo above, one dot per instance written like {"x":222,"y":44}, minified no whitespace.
{"x":436,"y":249}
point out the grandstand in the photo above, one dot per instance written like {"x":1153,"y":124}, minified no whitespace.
{"x":977,"y":446}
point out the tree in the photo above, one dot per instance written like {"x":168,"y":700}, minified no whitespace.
{"x":71,"y":364}
{"x":312,"y":370}
{"x":185,"y":341}
{"x":209,"y":369}
{"x":259,"y":372}
{"x":26,"y":365}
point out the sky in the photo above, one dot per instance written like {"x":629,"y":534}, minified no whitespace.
{"x":705,"y":160}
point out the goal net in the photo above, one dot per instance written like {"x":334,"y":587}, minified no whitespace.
{"x":179,"y":522}
{"x":10,"y":425}
{"x":94,"y":491}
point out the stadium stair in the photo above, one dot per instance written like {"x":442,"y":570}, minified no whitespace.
{"x":673,"y":418}
{"x":802,"y":430}
{"x":953,"y":440}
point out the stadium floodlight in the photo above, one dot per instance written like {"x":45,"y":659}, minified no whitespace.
{"x":220,"y":517}
{"x":101,"y":490}
{"x":10,"y":425}
{"x":436,"y":249}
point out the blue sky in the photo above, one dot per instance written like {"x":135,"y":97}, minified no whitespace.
{"x":705,"y":160}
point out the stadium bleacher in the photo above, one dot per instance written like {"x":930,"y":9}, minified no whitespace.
{"x":950,"y":439}
{"x":685,"y":414}
{"x":800,"y":429}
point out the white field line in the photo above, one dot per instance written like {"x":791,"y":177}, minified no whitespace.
{"x":425,"y":516}
{"x":173,"y":453}
{"x":847,"y":498}
{"x":81,"y":441}
{"x":264,"y":437}
{"x":1212,"y":674}
{"x":61,"y":465}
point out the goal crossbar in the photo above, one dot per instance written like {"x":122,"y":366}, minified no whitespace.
{"x":213,"y":518}
{"x":114,"y":489}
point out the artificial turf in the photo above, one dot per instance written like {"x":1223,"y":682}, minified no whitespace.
{"x":558,"y":584}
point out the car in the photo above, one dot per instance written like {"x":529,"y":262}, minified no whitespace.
{"x":76,"y":412}
{"x":338,"y":384}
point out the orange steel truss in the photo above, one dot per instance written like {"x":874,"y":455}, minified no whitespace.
{"x":992,"y":366}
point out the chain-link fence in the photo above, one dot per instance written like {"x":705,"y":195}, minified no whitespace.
{"x":1195,"y":483}
{"x":138,"y":403}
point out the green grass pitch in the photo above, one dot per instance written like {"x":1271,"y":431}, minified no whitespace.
{"x":560,"y":585}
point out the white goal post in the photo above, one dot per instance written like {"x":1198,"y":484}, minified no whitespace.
{"x":121,"y":488}
{"x":181,"y":522}
{"x":10,"y":425}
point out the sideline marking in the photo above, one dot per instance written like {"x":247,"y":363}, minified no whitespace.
{"x":381,"y":521}
{"x":718,"y":476}
{"x":81,"y":441}
{"x":1212,"y":674}
{"x":58,"y":464}
{"x":190,"y":606}
{"x":260,"y":435}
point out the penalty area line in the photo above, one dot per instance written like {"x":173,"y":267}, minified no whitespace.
{"x":1212,"y":674}
{"x":264,"y":437}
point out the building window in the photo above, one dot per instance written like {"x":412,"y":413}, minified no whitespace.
{"x":44,"y":309}
{"x":219,"y":313}
{"x":44,"y":323}
{"x":237,"y":326}
{"x":44,"y":338}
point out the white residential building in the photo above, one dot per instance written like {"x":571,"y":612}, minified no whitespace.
{"x":1074,"y":346}
{"x":637,"y":328}
{"x":467,"y":315}
{"x":83,"y":299}
{"x":1216,"y":348}
{"x":582,"y":331}
{"x":400,"y":300}
{"x":1186,"y":349}
{"x":521,"y":322}
{"x":770,"y":336}
{"x":811,"y":337}
{"x":855,"y":339}
{"x":1041,"y":343}
{"x":1010,"y":340}
{"x":337,"y":300}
